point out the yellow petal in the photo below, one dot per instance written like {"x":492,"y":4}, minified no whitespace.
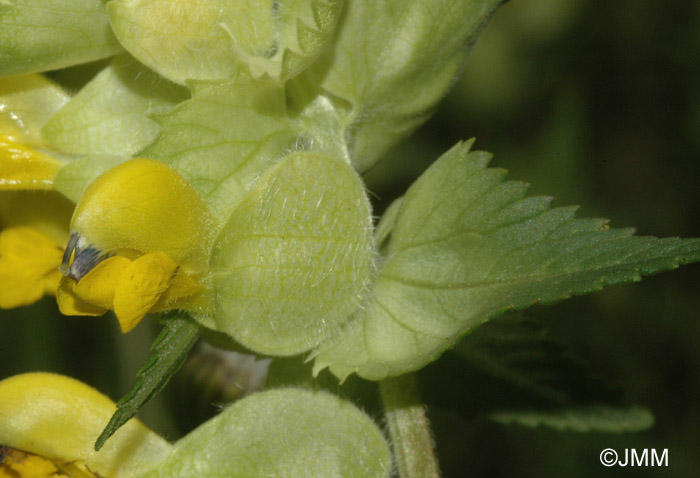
{"x":181,"y":286}
{"x":145,"y":205}
{"x":47,"y":212}
{"x":18,"y":464}
{"x":24,"y":168}
{"x":28,"y":261}
{"x":140,"y":287}
{"x":51,"y":282}
{"x":59,"y":418}
{"x":97,"y":286}
{"x":70,"y":304}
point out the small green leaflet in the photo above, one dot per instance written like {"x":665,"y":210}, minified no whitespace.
{"x":466,"y":247}
{"x":110,"y":115}
{"x":168,"y":352}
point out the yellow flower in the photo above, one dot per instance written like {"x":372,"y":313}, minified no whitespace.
{"x":139,"y":243}
{"x":33,"y":229}
{"x":139,"y":236}
{"x":16,"y":463}
{"x":48,"y":427}
{"x":33,"y":225}
{"x":28,"y":266}
{"x":26,"y":103}
{"x":33,"y":218}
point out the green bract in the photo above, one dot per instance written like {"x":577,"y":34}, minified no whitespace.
{"x":296,"y":256}
{"x":214,"y":40}
{"x":392,"y":62}
{"x":282,"y":433}
{"x":108,"y":121}
{"x":109,"y":116}
{"x":36,"y":35}
{"x":225,"y":137}
{"x":467,"y":246}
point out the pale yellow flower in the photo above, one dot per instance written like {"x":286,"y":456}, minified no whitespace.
{"x":33,"y":224}
{"x":33,"y":218}
{"x":48,"y":427}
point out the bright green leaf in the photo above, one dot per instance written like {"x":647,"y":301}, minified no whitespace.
{"x":214,"y":40}
{"x":224,"y":138}
{"x":467,"y":246}
{"x":37,"y":35}
{"x":282,"y":433}
{"x":110,"y":115}
{"x":392,"y":62}
{"x":294,"y":260}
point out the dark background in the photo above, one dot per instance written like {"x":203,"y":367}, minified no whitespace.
{"x":595,"y":103}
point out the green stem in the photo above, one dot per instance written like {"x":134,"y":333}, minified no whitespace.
{"x":409,"y":428}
